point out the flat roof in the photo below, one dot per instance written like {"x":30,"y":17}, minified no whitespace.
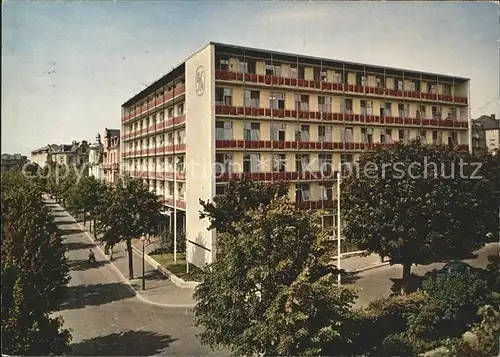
{"x":284,"y":56}
{"x":290,"y":57}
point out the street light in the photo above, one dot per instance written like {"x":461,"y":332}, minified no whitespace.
{"x":143,"y":240}
{"x":338,"y":228}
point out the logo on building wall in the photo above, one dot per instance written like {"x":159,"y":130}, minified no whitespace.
{"x":200,"y":80}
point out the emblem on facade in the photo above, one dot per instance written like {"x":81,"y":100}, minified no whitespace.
{"x":200,"y":80}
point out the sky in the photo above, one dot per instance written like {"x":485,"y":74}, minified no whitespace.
{"x":67,"y":67}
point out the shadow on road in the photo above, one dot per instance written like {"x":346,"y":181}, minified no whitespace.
{"x":70,"y":231}
{"x":95,"y":294}
{"x":128,"y":343}
{"x":348,"y":277}
{"x":414,"y":284}
{"x":78,"y":246}
{"x":83,"y":264}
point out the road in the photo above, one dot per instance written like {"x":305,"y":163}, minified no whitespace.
{"x":379,"y":282}
{"x":107,"y":319}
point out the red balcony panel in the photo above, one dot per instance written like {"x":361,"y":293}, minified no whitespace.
{"x":275,"y":144}
{"x":279,"y":176}
{"x":327,"y":116}
{"x":356,"y":117}
{"x":358,"y":89}
{"x":274,"y":80}
{"x":261,"y":78}
{"x":302,"y":145}
{"x":262,"y":144}
{"x":293,"y":82}
{"x":335,"y":146}
{"x":267,"y":112}
{"x":326,"y":86}
{"x":294,"y":144}
{"x":319,"y":146}
{"x":294,"y":114}
{"x":294,"y":175}
{"x":239,"y":76}
{"x":288,"y":144}
{"x":268,"y":79}
{"x":434,"y":122}
{"x":425,"y":121}
{"x":287,"y":113}
{"x":267,"y":144}
{"x":281,"y":113}
{"x":336,"y":116}
{"x":433,"y":96}
{"x":327,"y":145}
{"x":253,"y":78}
{"x":300,"y":82}
{"x":349,"y":117}
{"x":248,"y":111}
{"x":287,"y":81}
{"x":233,"y":110}
{"x":267,"y":176}
{"x":262,"y":111}
{"x":239,"y":110}
{"x":281,"y":144}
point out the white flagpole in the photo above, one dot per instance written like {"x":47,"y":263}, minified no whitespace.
{"x":338,"y":228}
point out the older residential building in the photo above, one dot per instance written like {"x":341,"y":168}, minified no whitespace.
{"x":9,"y":161}
{"x":75,"y":153}
{"x":486,"y":133}
{"x":111,"y":155}
{"x":229,"y":111}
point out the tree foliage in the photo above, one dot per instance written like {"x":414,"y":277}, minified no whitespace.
{"x":130,"y":211}
{"x":241,"y":195}
{"x":272,"y":289}
{"x":34,"y":272}
{"x":399,"y":205}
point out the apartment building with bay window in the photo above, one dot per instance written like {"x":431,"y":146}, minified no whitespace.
{"x":229,"y":111}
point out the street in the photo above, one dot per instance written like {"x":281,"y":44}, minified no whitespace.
{"x":378,"y":282}
{"x":105,"y":316}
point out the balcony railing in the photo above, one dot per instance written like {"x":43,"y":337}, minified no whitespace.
{"x":339,"y":117}
{"x":155,"y":102}
{"x":334,"y":87}
{"x":157,"y":128}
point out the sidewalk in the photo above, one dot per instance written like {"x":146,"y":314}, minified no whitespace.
{"x":358,"y":264}
{"x":159,"y":289}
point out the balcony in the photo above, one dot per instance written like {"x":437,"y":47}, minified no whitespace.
{"x":279,"y":176}
{"x":157,"y":128}
{"x":154,"y":103}
{"x":338,"y":117}
{"x":334,"y":87}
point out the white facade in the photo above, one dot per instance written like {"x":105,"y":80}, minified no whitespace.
{"x":95,"y":159}
{"x":492,"y":139}
{"x":200,"y":138}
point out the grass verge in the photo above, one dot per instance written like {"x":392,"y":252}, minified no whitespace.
{"x":179,"y":267}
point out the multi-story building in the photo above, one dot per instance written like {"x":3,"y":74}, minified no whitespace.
{"x":74,"y":154}
{"x":229,"y":111}
{"x":111,"y":155}
{"x":486,"y":134}
{"x":9,"y":161}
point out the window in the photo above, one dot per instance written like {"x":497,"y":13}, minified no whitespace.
{"x":302,"y":71}
{"x":301,"y":102}
{"x":251,"y":163}
{"x":180,"y":109}
{"x":421,"y":109}
{"x":346,"y":105}
{"x":180,"y":189}
{"x":170,"y":138}
{"x":423,"y":136}
{"x":434,"y":137}
{"x":301,"y":162}
{"x":277,"y":100}
{"x":252,"y":98}
{"x":325,"y":162}
{"x":224,"y":163}
{"x":433,"y":88}
{"x":279,"y":163}
{"x":220,"y":189}
{"x":346,"y":135}
{"x":278,"y":132}
{"x":337,"y":77}
{"x":386,"y":136}
{"x":302,"y":192}
{"x":273,"y":70}
{"x":367,"y":135}
{"x":162,"y":116}
{"x":452,"y":140}
{"x":302,"y":133}
{"x":324,"y":133}
{"x":325,"y":191}
{"x":404,"y":135}
{"x":179,"y":166}
{"x":224,"y":63}
{"x":170,"y":112}
{"x":223,"y":130}
{"x":325,"y":104}
{"x":180,"y":137}
{"x":252,"y":131}
{"x":170,"y":164}
{"x":293,"y":72}
{"x":436,"y":113}
{"x":243,"y":67}
{"x":154,"y":120}
{"x":400,"y":85}
{"x":446,"y":89}
{"x":346,"y":161}
{"x":403,"y":110}
{"x":223,"y":96}
{"x":366,"y":107}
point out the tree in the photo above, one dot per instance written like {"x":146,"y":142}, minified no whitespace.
{"x":403,"y":203}
{"x":131,"y":210}
{"x":241,"y":195}
{"x":34,"y":272}
{"x":272,"y":289}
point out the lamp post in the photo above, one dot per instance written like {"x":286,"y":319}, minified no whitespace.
{"x":338,"y":228}
{"x":143,"y":240}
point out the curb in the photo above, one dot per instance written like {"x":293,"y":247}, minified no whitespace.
{"x":167,"y":273}
{"x":119,"y":273}
{"x":375,"y":266}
